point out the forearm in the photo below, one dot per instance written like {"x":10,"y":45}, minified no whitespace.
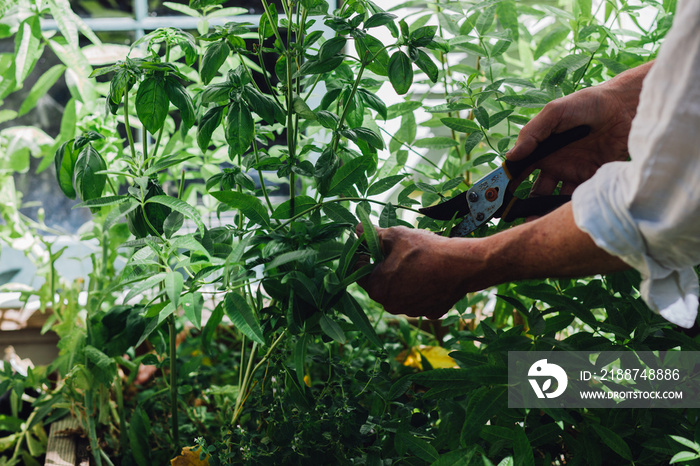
{"x":549,"y":247}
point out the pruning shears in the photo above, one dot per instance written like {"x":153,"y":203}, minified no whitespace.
{"x":493,"y":195}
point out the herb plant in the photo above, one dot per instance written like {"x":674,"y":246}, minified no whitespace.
{"x":227,"y":249}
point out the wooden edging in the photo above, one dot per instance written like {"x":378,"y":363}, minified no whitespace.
{"x":62,"y":447}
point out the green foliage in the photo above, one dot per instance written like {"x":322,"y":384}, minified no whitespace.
{"x":239,"y":234}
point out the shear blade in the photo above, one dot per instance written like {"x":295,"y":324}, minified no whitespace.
{"x":456,"y":207}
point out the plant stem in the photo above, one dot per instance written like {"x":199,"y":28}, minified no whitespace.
{"x":173,"y":382}
{"x":162,"y":128}
{"x":249,"y":373}
{"x":430,"y":162}
{"x":355,"y":85}
{"x":129,"y":136}
{"x":341,"y":199}
{"x":291,"y":131}
{"x":243,"y":388}
{"x":260,"y":175}
{"x":92,"y":429}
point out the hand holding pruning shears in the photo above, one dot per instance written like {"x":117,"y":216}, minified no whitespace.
{"x":425,"y":274}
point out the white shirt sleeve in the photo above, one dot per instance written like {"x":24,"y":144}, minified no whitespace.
{"x":647,"y":210}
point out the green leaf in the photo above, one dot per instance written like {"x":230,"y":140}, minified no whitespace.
{"x":263,"y":105}
{"x":418,"y":447}
{"x":64,"y":161}
{"x":524,"y":100}
{"x":121,"y":210}
{"x":179,"y":206}
{"x":371,"y":48}
{"x":402,"y":108}
{"x":7,"y":115}
{"x":332,"y":329}
{"x":173,"y":287}
{"x":507,"y":15}
{"x":209,"y":329}
{"x":388,"y":216}
{"x":400,"y":72}
{"x":356,"y":314}
{"x":328,"y":119}
{"x":370,"y":234}
{"x":302,"y":109}
{"x":373,"y":102}
{"x":193,"y":303}
{"x":553,"y":38}
{"x":379,"y":19}
{"x":472,"y":141}
{"x":461,"y":457}
{"x":318,"y":67}
{"x":686,"y":443}
{"x":684,"y":456}
{"x":28,"y":48}
{"x":614,"y":441}
{"x":41,"y":87}
{"x":291,"y":256}
{"x":370,"y":137}
{"x":237,"y":309}
{"x":209,"y":122}
{"x":483,"y":404}
{"x":437,"y":142}
{"x":162,"y":164}
{"x":522,"y":451}
{"x":427,"y":66}
{"x":384,"y":184}
{"x":240,"y":128}
{"x":88,"y":183}
{"x":331,"y":48}
{"x":214,"y":57}
{"x":139,"y":435}
{"x":460,"y":124}
{"x":485,"y":20}
{"x":339,"y":213}
{"x":172,"y":224}
{"x":422,"y":36}
{"x":482,"y":116}
{"x":152,"y":103}
{"x":301,"y":203}
{"x":180,"y":98}
{"x":82,"y":140}
{"x":250,"y":206}
{"x":346,"y":176}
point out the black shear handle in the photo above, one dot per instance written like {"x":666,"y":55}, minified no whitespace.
{"x":533,"y":206}
{"x":550,"y":145}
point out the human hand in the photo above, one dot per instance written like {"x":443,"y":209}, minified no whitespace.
{"x":608,"y":109}
{"x":422,"y":274}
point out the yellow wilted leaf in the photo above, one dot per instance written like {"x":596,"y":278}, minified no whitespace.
{"x":437,"y":356}
{"x":189,"y":457}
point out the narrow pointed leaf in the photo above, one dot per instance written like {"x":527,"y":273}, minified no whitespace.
{"x":173,"y":287}
{"x":179,"y":206}
{"x":332,"y":329}
{"x":237,"y":309}
{"x":250,"y":206}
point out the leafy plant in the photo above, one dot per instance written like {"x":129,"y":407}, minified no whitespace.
{"x":234,"y":217}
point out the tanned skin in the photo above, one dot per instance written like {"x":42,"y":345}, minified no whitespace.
{"x":424,"y":274}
